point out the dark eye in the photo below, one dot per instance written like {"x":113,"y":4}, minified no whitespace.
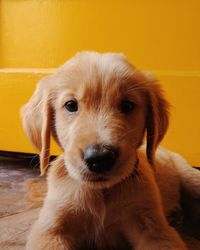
{"x":127,"y":106}
{"x":71,"y":106}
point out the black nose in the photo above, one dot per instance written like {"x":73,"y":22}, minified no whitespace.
{"x":100,"y":158}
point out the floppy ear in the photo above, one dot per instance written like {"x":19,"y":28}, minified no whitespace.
{"x":36,"y":119}
{"x":157,"y":119}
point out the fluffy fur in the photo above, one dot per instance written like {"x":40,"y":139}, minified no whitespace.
{"x":128,"y":205}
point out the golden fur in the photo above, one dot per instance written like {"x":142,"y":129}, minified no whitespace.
{"x":79,"y":208}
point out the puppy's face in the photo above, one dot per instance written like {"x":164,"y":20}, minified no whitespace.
{"x":100,"y":105}
{"x":100,"y":118}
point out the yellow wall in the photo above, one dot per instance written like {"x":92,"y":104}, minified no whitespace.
{"x":160,"y":36}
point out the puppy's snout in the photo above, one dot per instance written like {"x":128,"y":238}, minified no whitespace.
{"x":100,"y":158}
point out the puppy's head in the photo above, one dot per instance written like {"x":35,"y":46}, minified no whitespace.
{"x":98,"y":108}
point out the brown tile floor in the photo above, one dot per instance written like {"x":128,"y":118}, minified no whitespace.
{"x":15,"y":216}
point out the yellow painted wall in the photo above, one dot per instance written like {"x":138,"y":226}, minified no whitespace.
{"x":158,"y":36}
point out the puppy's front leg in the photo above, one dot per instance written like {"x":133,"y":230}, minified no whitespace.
{"x":159,"y":237}
{"x":149,"y":230}
{"x":145,"y":223}
{"x":56,"y":229}
{"x":45,"y":240}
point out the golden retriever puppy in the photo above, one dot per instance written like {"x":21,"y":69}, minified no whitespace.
{"x":104,"y":190}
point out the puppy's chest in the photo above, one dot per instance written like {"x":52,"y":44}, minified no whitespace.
{"x":105,"y":225}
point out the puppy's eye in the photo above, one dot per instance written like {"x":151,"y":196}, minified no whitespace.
{"x":71,"y":106}
{"x":127,"y":106}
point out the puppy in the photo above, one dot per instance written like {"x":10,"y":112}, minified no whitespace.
{"x":105,"y":190}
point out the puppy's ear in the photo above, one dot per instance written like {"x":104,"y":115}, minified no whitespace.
{"x":157,"y":119}
{"x":36,"y":119}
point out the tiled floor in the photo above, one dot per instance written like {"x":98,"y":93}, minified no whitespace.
{"x":16,"y":217}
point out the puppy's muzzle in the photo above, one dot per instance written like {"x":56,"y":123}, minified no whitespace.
{"x":100,"y":158}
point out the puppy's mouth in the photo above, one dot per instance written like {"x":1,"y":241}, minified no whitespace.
{"x":110,"y":178}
